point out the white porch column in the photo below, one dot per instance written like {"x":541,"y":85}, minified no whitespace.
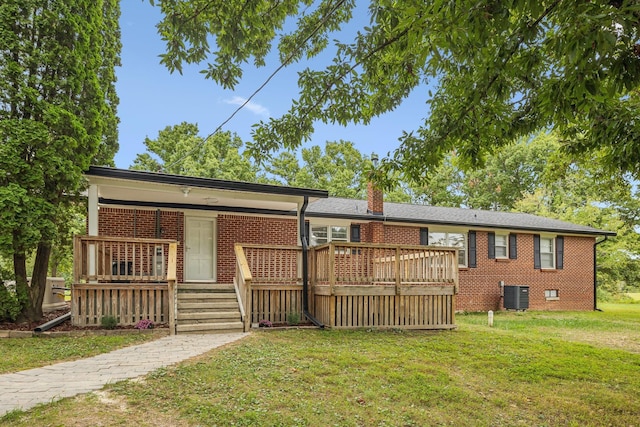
{"x":93,"y":210}
{"x":92,"y":216}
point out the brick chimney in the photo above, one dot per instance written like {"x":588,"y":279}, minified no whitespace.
{"x":374,"y":200}
{"x":374,"y":194}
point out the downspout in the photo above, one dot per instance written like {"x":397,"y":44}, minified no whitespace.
{"x":305,"y":266}
{"x":595,"y":277}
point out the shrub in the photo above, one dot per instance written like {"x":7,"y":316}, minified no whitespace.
{"x":9,"y":302}
{"x":293,"y":319}
{"x":144,"y":324}
{"x":109,"y":322}
{"x":9,"y":305}
{"x":265,"y":324}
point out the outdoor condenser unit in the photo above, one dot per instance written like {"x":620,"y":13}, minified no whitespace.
{"x":516,"y":297}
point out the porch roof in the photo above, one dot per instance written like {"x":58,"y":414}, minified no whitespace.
{"x":335,"y":207}
{"x":123,"y":186}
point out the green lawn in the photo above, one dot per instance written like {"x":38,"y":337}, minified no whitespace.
{"x":17,"y":354}
{"x":534,"y":368}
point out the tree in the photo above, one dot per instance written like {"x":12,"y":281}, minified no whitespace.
{"x":57,"y":116}
{"x":341,"y":170}
{"x":498,"y":70}
{"x":180,"y":150}
{"x":585,"y":194}
{"x":508,"y":175}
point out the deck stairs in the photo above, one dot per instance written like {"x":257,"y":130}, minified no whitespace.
{"x":207,"y":308}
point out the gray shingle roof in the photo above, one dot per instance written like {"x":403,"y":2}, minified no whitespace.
{"x":334,"y":207}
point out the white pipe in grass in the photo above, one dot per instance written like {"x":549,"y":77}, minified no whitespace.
{"x":490,"y":315}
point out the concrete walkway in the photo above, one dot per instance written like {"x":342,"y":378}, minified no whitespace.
{"x":26,"y":389}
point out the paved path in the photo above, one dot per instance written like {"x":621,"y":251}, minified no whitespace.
{"x":26,"y":389}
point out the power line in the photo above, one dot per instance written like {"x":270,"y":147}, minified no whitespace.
{"x":271,"y":76}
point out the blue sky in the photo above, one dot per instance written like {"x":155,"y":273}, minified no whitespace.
{"x":151,"y":98}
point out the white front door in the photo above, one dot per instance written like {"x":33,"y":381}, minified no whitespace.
{"x":200,"y":249}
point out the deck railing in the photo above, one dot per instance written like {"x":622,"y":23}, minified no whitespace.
{"x":129,"y":279}
{"x":270,"y":280}
{"x":377,"y":264}
{"x":351,"y":284}
{"x":113,"y":259}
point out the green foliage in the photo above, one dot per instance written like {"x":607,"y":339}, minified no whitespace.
{"x":57,"y":116}
{"x":499,"y":70}
{"x":340,"y":169}
{"x":293,"y":318}
{"x":180,"y":150}
{"x":109,"y":322}
{"x":9,"y":305}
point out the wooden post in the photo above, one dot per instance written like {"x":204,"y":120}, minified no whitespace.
{"x":397,"y":266}
{"x":171,"y":282}
{"x":77,"y":258}
{"x":313,"y":273}
{"x":332,"y":267}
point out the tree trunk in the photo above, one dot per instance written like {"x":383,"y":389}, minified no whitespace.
{"x":38,"y":282}
{"x":22,"y":286}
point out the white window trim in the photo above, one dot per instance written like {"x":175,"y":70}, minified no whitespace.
{"x":328,"y":225}
{"x":465,"y":233}
{"x":553,"y":252}
{"x":552,"y":298}
{"x":506,"y":246}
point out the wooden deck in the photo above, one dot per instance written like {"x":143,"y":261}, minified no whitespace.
{"x":350,"y":285}
{"x":129,"y":279}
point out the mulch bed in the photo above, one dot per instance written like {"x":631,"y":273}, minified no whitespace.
{"x":64,"y":326}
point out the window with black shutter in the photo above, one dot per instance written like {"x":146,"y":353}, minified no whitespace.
{"x":492,"y":245}
{"x":472,"y":249}
{"x":513,"y":246}
{"x":560,"y":252}
{"x":424,"y":236}
{"x":355,"y":233}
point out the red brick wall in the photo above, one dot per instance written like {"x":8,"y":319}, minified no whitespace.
{"x":479,"y":290}
{"x":400,"y":235}
{"x":141,"y":223}
{"x":234,"y":229}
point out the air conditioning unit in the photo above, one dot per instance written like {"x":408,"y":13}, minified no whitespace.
{"x":516,"y":297}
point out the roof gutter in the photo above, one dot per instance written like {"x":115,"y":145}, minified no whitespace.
{"x":595,"y":277}
{"x":431,"y":221}
{"x":305,"y":266}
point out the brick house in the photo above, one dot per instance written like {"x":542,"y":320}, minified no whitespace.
{"x":208,"y":217}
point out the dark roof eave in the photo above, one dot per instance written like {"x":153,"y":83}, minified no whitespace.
{"x":431,"y":222}
{"x":182,"y":206}
{"x":212,"y":183}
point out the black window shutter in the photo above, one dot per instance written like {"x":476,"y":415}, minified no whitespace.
{"x":536,"y":251}
{"x":355,"y":233}
{"x":492,"y":245}
{"x":424,"y":236}
{"x":513,"y":246}
{"x":560,"y":252}
{"x":472,"y":249}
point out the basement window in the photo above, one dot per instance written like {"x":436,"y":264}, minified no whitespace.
{"x":551,"y":294}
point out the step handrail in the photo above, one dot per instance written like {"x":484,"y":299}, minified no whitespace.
{"x":242,"y":284}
